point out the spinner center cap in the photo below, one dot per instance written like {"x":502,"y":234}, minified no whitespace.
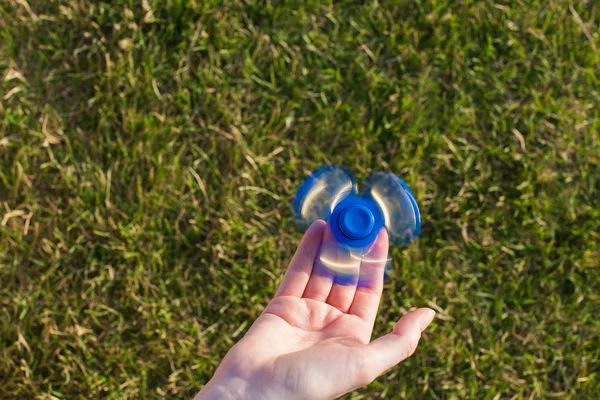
{"x":356,"y":221}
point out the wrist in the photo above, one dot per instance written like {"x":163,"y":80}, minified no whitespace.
{"x":230,"y":388}
{"x":238,"y":388}
{"x":226,"y":388}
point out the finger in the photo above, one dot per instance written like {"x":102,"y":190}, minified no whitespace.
{"x":321,"y":279}
{"x":370,"y":284}
{"x":298,"y":273}
{"x":393,"y":348}
{"x":344,"y":284}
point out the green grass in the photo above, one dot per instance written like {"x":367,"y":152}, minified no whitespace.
{"x":149,"y":151}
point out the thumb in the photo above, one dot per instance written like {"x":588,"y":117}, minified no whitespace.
{"x":387,"y":351}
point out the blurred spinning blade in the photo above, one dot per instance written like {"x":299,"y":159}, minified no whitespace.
{"x":346,"y":265}
{"x":321,"y":192}
{"x":398,"y":205}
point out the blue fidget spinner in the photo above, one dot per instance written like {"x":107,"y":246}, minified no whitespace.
{"x":355,"y":217}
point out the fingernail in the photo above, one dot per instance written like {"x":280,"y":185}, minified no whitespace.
{"x":426,"y":319}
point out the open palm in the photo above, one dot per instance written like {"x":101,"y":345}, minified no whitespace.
{"x":313,"y":339}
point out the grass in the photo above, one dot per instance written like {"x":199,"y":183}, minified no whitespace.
{"x":149,"y":152}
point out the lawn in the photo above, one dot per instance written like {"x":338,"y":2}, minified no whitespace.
{"x":150,"y":150}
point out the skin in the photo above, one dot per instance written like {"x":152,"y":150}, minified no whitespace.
{"x":313,"y":340}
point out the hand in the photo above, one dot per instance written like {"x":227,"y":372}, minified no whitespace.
{"x":312,"y":340}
